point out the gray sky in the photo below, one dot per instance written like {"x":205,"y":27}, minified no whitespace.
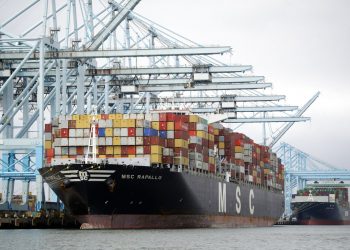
{"x":301,"y":46}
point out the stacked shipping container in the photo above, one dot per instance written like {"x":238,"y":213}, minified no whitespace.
{"x":167,"y":139}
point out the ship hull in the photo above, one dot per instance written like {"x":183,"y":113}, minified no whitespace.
{"x":114,"y":196}
{"x":321,"y":213}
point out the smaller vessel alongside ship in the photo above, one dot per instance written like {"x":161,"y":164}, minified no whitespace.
{"x":322,"y":204}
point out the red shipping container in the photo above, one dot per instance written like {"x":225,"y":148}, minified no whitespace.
{"x":170,"y":117}
{"x":195,"y":147}
{"x":181,"y":151}
{"x":180,"y":125}
{"x":48,"y":128}
{"x":80,"y":150}
{"x":131,"y":132}
{"x":124,"y":156}
{"x":167,"y":159}
{"x":162,"y":117}
{"x":50,"y":152}
{"x":205,"y":142}
{"x":162,"y":126}
{"x":124,"y":150}
{"x":210,"y":129}
{"x":192,"y":133}
{"x":146,"y":150}
{"x":179,"y":135}
{"x":131,"y":150}
{"x":64,"y":133}
{"x":147,"y":140}
{"x":170,"y":143}
{"x":101,"y":150}
{"x":205,"y":158}
{"x":192,"y":126}
{"x":212,"y":168}
{"x":239,"y":142}
{"x":104,"y":116}
{"x":48,"y":160}
{"x":211,"y":144}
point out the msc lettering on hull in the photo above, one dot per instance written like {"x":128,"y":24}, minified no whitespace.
{"x":141,"y":177}
{"x":222,"y":199}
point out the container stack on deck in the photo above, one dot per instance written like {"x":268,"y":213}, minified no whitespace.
{"x":167,"y":139}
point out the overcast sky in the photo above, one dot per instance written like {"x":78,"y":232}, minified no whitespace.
{"x":301,"y":46}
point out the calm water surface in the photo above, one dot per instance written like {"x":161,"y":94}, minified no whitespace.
{"x":277,"y":237}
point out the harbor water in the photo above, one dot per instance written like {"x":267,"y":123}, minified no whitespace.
{"x":273,"y":238}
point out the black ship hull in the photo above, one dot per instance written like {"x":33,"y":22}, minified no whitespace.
{"x":321,"y":213}
{"x":114,"y":196}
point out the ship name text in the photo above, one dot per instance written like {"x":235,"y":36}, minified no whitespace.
{"x":141,"y":177}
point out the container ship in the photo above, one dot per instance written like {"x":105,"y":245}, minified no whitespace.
{"x":160,"y":170}
{"x":322,"y":204}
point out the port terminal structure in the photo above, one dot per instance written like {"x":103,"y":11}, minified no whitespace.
{"x":301,"y":167}
{"x":84,"y":54}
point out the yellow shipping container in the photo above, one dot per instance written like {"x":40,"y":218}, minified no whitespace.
{"x":118,"y":116}
{"x":116,"y":140}
{"x":64,"y":156}
{"x":75,"y":117}
{"x":170,"y":125}
{"x":109,"y":150}
{"x":155,"y":158}
{"x":124,"y":123}
{"x":117,"y":123}
{"x":221,"y":145}
{"x":194,"y":118}
{"x":211,"y":160}
{"x":255,"y":173}
{"x":266,"y":171}
{"x":117,"y":156}
{"x":131,"y":123}
{"x":155,"y":149}
{"x":216,"y":131}
{"x":181,"y":161}
{"x":48,"y":144}
{"x":102,"y":156}
{"x":201,"y":134}
{"x":117,"y":150}
{"x":108,"y":132}
{"x":82,"y":124}
{"x":131,"y":156}
{"x":238,"y":149}
{"x":111,"y":116}
{"x":211,"y":137}
{"x":180,"y":143}
{"x":155,"y":125}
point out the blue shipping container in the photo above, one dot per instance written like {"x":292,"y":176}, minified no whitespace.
{"x":150,"y":132}
{"x":163,"y":134}
{"x":101,"y":132}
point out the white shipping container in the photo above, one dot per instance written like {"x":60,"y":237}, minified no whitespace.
{"x":196,"y":164}
{"x":131,"y":141}
{"x":72,"y":141}
{"x":123,"y":141}
{"x":58,"y":151}
{"x":170,"y":134}
{"x":80,"y":142}
{"x":116,"y":132}
{"x":221,"y":138}
{"x":155,"y":117}
{"x":139,"y":131}
{"x":101,"y":123}
{"x":211,"y":152}
{"x":57,"y":142}
{"x":196,"y":140}
{"x":124,"y":132}
{"x":133,"y":116}
{"x":109,"y":123}
{"x":139,"y":140}
{"x":79,"y":132}
{"x":241,"y":169}
{"x":64,"y":150}
{"x":68,"y":117}
{"x":102,"y":141}
{"x":205,"y":166}
{"x":109,"y":141}
{"x":140,"y":116}
{"x":126,"y":116}
{"x":72,"y":151}
{"x":48,"y":136}
{"x":148,"y":117}
{"x":202,"y":76}
{"x":247,"y":159}
{"x":63,"y":124}
{"x":202,"y":127}
{"x":221,"y":151}
{"x":139,"y":150}
{"x":128,"y":89}
{"x":239,"y":156}
{"x":196,"y":156}
{"x":86,"y":132}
